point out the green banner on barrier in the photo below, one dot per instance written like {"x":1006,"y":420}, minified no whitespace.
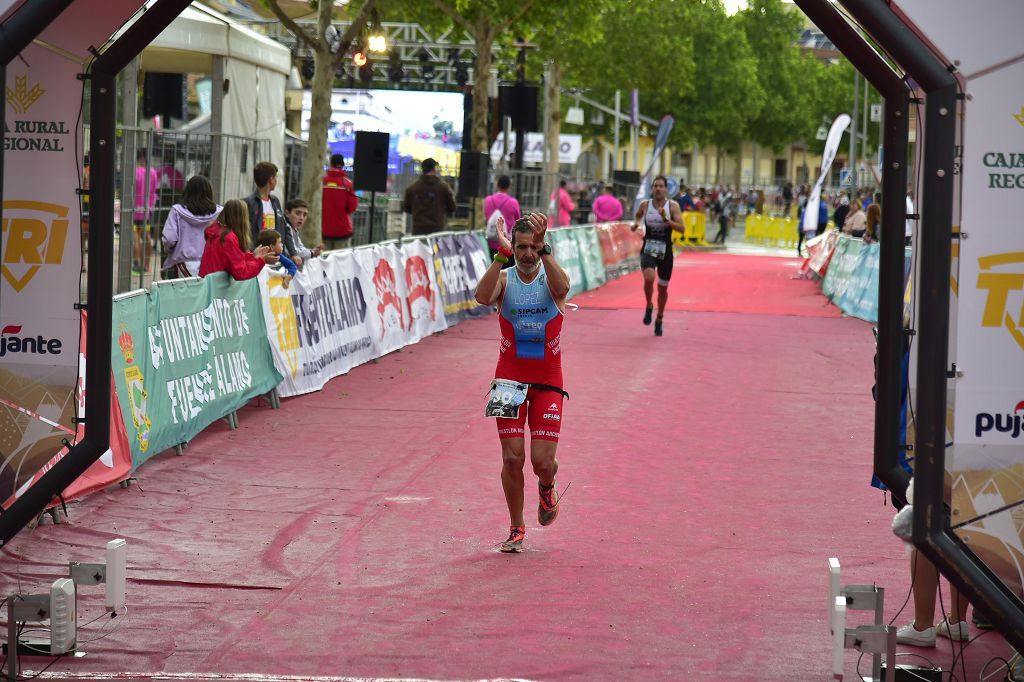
{"x":590,"y":256}
{"x":567,"y":252}
{"x":185,"y":355}
{"x":860,"y":298}
{"x":841,"y":268}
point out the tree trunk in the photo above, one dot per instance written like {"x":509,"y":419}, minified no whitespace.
{"x":738,"y":173}
{"x":484,"y":38}
{"x":316,"y":147}
{"x":553,"y":83}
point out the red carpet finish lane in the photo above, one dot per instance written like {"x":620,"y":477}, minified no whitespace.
{"x":723,"y":283}
{"x":354,"y":532}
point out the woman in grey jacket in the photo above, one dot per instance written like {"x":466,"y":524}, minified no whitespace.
{"x":183,"y":232}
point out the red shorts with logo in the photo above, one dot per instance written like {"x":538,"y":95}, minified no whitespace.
{"x":544,"y":410}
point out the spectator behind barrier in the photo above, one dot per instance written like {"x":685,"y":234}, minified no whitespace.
{"x":296,"y":211}
{"x":227,"y":245}
{"x":272,"y":240}
{"x":429,"y":200}
{"x":874,"y":219}
{"x":339,"y":203}
{"x":506,"y":204}
{"x":183,"y":236}
{"x":561,"y":206}
{"x":607,"y":207}
{"x":265,"y":211}
{"x":856,"y":220}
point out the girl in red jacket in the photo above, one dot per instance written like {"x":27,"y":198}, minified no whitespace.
{"x":227,"y":245}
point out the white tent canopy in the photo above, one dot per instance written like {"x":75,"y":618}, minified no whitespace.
{"x":254,"y":70}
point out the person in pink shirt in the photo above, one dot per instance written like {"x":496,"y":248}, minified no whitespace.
{"x":502,"y":201}
{"x":146,"y":182}
{"x":607,"y":207}
{"x":561,"y":205}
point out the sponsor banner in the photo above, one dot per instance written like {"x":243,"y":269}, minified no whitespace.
{"x":424,"y":306}
{"x":860,"y":296}
{"x":570,"y":145}
{"x":113,"y":465}
{"x":185,"y":355}
{"x":841,"y":268}
{"x":990,"y":316}
{"x":590,"y":256}
{"x":828,"y":154}
{"x":383,"y":278}
{"x":460,"y":261}
{"x":820,"y":250}
{"x":609,"y":254}
{"x":41,"y":266}
{"x":567,"y":253}
{"x":317,"y":326}
{"x":660,"y":140}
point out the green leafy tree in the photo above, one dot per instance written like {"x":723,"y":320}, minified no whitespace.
{"x":620,"y":46}
{"x":787,"y":76}
{"x":327,"y":57}
{"x":484,"y":21}
{"x":727,"y":94}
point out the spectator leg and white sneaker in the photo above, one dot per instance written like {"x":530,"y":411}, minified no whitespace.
{"x":957,"y":632}
{"x":909,"y":634}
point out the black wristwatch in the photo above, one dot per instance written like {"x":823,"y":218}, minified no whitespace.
{"x":545,"y":250}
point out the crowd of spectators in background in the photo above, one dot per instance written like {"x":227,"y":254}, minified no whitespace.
{"x":246,"y":235}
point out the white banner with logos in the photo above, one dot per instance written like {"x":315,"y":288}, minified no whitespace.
{"x":347,"y":309}
{"x":570,"y":146}
{"x":317,"y":326}
{"x":989,"y":408}
{"x":828,"y":155}
{"x":42,"y":262}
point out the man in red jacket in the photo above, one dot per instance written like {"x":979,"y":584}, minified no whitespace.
{"x":339,"y":203}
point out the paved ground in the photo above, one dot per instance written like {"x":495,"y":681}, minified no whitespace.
{"x":354,"y":532}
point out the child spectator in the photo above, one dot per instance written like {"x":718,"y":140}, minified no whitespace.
{"x":296,"y":211}
{"x":227,"y":245}
{"x":183,"y":233}
{"x":271,"y":239}
{"x":873,"y":223}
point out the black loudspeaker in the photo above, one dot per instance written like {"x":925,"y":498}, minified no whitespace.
{"x":519,"y":102}
{"x":473,"y":168}
{"x":625,"y":182}
{"x":370,"y":164}
{"x":163,"y":94}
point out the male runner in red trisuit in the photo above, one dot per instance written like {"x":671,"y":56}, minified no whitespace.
{"x":528,"y":378}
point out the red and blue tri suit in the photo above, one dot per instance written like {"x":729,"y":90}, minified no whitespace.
{"x":531,"y":353}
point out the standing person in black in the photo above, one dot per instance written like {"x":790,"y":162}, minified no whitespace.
{"x":839,"y":217}
{"x":429,"y":200}
{"x":660,"y":215}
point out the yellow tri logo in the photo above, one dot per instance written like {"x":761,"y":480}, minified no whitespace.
{"x":34,"y":235}
{"x":1000,"y":283}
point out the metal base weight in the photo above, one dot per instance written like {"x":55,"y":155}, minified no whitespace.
{"x":910,"y":673}
{"x":39,"y":647}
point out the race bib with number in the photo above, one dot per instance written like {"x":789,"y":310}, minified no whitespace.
{"x":655,"y":249}
{"x":505,"y":399}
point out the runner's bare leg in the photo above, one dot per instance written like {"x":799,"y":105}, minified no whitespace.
{"x":649,"y":286}
{"x":662,"y":300}
{"x":513,"y":459}
{"x":542,"y":456}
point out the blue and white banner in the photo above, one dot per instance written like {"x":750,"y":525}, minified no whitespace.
{"x":659,"y":146}
{"x":835,"y":136}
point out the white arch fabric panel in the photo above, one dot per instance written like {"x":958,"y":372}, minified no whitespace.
{"x":270,"y":93}
{"x":987,"y":463}
{"x":42,"y":245}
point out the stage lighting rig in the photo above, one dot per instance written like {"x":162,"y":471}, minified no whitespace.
{"x":396,"y":72}
{"x":426,"y":66}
